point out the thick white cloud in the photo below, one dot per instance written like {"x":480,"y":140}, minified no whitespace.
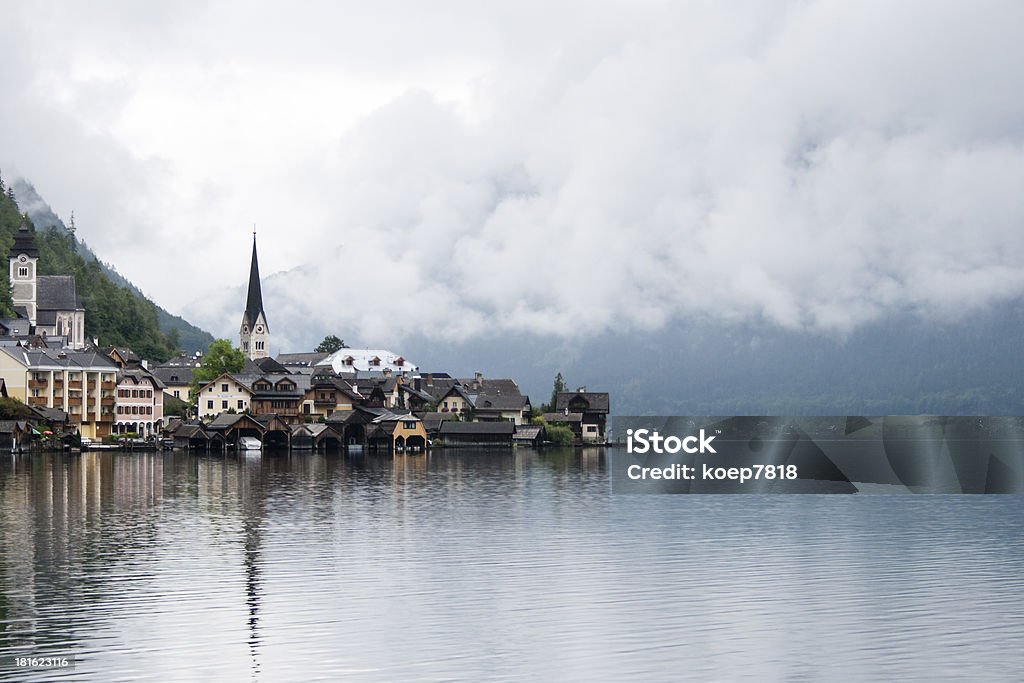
{"x":557,"y":169}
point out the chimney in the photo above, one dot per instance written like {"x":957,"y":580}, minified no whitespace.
{"x":417,"y":383}
{"x":145,"y":364}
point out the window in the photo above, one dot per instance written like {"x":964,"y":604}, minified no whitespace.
{"x":135,"y":393}
{"x":209,"y":405}
{"x":305,"y":408}
{"x":177,"y":394}
{"x":259,"y":346}
{"x":224,"y":388}
{"x":224,"y":405}
{"x":241,"y":404}
{"x":245,"y":346}
{"x":409,"y":425}
{"x":22,"y":271}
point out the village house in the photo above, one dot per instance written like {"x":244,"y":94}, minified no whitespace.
{"x":225,"y":393}
{"x":327,"y":395}
{"x":139,"y":408}
{"x":592,"y":407}
{"x":279,"y":395}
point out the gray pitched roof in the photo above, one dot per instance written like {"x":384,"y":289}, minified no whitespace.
{"x":56,"y":293}
{"x":595,"y":401}
{"x":501,"y":428}
{"x":301,"y":359}
{"x":136,"y":374}
{"x":270,"y":365}
{"x":173,"y":375}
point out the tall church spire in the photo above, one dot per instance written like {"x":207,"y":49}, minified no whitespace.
{"x":254,"y":302}
{"x":255,"y":332}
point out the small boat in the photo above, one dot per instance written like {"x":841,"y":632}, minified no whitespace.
{"x":90,"y":445}
{"x":249,"y":443}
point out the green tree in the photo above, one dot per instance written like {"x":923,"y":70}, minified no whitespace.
{"x":559,"y":387}
{"x":220,"y":358}
{"x":330,"y":344}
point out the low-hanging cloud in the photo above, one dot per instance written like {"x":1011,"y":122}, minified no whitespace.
{"x":816,"y":168}
{"x":810,"y":165}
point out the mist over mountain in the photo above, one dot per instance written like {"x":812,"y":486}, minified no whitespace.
{"x":190,"y":338}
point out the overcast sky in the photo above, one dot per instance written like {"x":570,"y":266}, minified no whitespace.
{"x":558,"y":168}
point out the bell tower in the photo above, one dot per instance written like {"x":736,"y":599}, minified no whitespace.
{"x":254,"y":333}
{"x":23,"y":259}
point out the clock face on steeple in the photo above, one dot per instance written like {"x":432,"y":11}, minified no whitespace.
{"x":259,"y":329}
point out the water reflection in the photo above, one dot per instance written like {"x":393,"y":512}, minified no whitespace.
{"x":497,"y":565}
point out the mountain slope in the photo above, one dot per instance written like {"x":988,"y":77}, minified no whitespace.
{"x":189,"y":337}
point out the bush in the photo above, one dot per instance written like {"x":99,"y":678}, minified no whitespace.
{"x":560,"y":435}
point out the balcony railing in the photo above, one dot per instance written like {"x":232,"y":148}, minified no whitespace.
{"x":37,"y":400}
{"x":74,"y":400}
{"x":75,"y":384}
{"x":37,"y":384}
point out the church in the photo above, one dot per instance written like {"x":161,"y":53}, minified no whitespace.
{"x":49,"y":303}
{"x":254,"y":333}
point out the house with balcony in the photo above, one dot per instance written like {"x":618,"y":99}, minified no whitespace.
{"x":80,"y":383}
{"x":592,"y":407}
{"x":327,"y":395}
{"x":280,"y":395}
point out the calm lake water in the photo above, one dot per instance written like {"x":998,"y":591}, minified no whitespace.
{"x":489,"y":566}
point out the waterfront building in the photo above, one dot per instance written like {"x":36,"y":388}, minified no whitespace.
{"x":49,"y":302}
{"x":254,"y":333}
{"x":481,"y":399}
{"x":80,"y":383}
{"x":328,"y":395}
{"x":139,"y":407}
{"x":592,"y":407}
{"x":279,"y":395}
{"x":225,"y":393}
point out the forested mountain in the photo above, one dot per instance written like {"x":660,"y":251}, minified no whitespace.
{"x":190,"y":337}
{"x":116,"y":313}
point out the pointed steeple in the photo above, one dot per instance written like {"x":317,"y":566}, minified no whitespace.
{"x":254,"y":301}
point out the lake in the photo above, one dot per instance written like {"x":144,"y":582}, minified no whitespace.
{"x":489,"y":565}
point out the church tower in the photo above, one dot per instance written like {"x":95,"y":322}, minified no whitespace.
{"x":254,"y":333}
{"x":23,"y":259}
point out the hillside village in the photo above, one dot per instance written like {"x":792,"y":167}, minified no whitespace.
{"x":77,"y":391}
